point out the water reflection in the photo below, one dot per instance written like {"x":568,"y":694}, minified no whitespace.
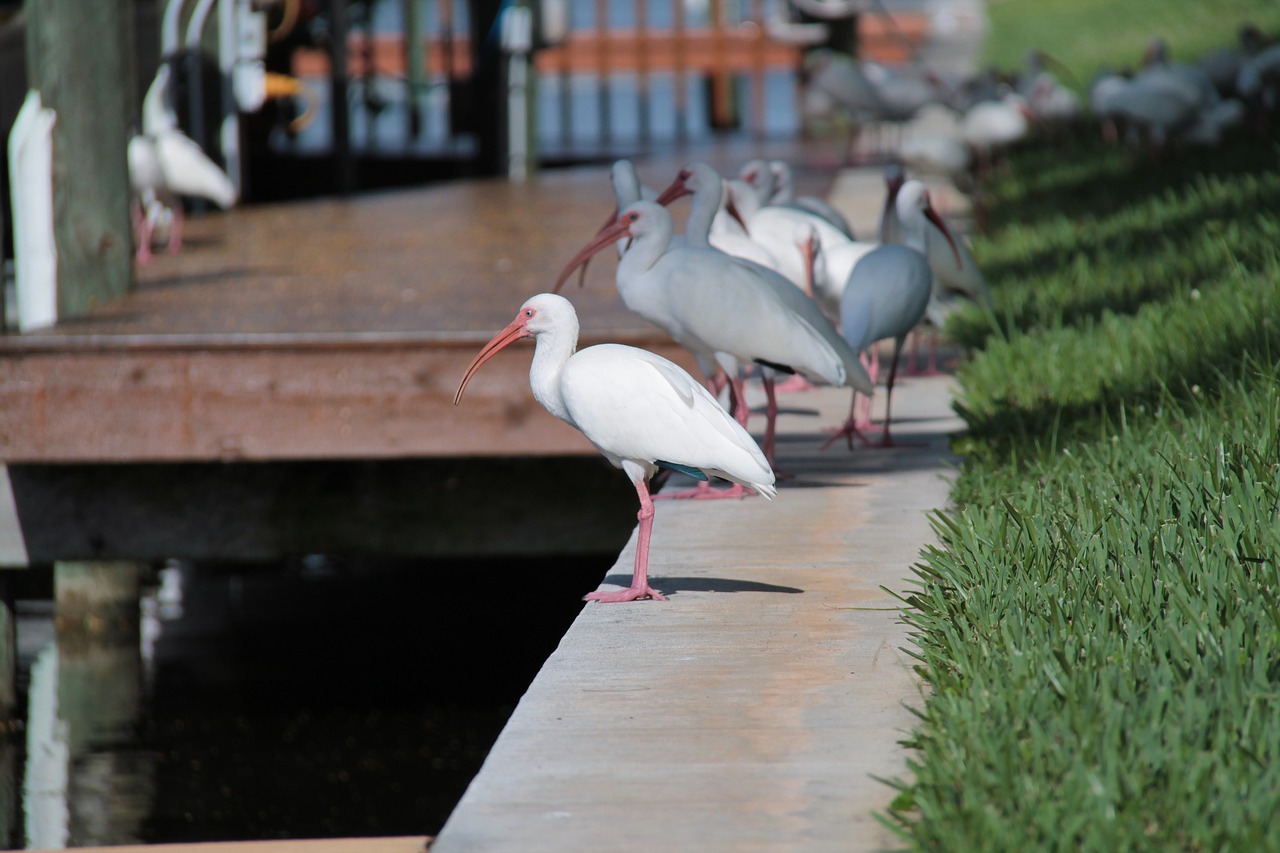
{"x":314,"y":699}
{"x":84,"y":784}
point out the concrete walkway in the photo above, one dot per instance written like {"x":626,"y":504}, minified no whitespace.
{"x":754,"y":709}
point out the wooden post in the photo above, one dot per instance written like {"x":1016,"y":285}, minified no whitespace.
{"x":76,"y":57}
{"x":97,"y":599}
{"x":720,"y":81}
{"x":8,"y":653}
{"x":98,"y":698}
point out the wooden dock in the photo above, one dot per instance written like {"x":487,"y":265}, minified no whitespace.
{"x":295,"y":356}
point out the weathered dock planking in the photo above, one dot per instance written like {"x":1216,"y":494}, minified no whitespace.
{"x":330,"y":335}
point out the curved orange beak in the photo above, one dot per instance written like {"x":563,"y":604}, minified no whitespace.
{"x":514,"y":331}
{"x":932,"y":216}
{"x":604,"y":237}
{"x":582,"y":276}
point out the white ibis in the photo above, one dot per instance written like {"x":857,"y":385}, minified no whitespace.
{"x":640,"y":410}
{"x":726,"y":311}
{"x":710,"y":201}
{"x":780,"y":229}
{"x":1166,"y":99}
{"x":784,"y":194}
{"x":165,"y":164}
{"x":990,"y":126}
{"x":887,"y":295}
{"x":627,"y":190}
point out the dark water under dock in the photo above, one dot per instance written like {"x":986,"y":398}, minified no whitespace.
{"x":313,"y":698}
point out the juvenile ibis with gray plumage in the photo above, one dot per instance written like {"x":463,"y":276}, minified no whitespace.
{"x":887,"y":295}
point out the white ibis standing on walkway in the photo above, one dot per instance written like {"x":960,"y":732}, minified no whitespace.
{"x":640,"y":410}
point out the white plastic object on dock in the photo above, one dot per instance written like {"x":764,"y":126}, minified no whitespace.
{"x":31,"y":192}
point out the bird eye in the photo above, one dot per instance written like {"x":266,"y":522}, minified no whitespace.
{"x":528,"y":312}
{"x":633,"y":217}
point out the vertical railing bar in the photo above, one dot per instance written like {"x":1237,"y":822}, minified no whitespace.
{"x":602,"y":68}
{"x":566,"y":83}
{"x":721,"y":98}
{"x":681,"y":73}
{"x":757,"y":68}
{"x":642,"y":68}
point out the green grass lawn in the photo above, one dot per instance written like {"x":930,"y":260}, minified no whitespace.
{"x":1086,"y":34}
{"x":1100,"y":628}
{"x":1100,"y":625}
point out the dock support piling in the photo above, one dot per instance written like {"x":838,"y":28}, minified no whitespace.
{"x":76,"y":58}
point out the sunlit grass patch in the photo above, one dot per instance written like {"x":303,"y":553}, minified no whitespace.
{"x":1100,"y":627}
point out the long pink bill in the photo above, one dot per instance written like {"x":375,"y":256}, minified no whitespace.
{"x":512,"y":333}
{"x":605,"y":237}
{"x":890,"y":201}
{"x":582,"y":271}
{"x":676,"y":190}
{"x":937,"y":220}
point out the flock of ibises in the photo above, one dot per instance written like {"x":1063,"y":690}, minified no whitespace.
{"x":763,"y":282}
{"x":1160,"y":101}
{"x":758,"y":281}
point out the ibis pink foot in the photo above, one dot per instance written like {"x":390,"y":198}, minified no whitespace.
{"x":621,"y":595}
{"x":849,"y":431}
{"x":640,"y":577}
{"x":852,"y":427}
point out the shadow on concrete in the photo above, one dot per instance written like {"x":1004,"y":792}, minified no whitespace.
{"x":668,"y":585}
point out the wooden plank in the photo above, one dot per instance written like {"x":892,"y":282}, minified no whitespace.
{"x":331,"y":329}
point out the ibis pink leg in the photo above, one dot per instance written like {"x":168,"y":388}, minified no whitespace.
{"x":640,"y":576}
{"x":885,"y":439}
{"x":142,"y":227}
{"x":770,"y":443}
{"x":738,"y":400}
{"x":871,"y":361}
{"x":175,"y":228}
